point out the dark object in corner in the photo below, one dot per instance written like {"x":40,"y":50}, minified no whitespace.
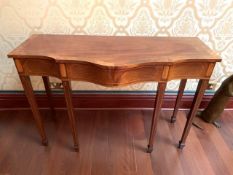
{"x":218,"y":102}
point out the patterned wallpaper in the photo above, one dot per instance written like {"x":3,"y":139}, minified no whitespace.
{"x":210,"y":20}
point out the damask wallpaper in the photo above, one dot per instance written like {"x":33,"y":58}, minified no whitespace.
{"x":210,"y":20}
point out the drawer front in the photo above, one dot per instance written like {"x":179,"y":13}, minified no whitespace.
{"x":114,"y":76}
{"x":40,"y":67}
{"x":188,"y":70}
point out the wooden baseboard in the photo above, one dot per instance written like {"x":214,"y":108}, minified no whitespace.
{"x":101,"y":100}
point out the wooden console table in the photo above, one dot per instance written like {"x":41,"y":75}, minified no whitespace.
{"x":114,"y":61}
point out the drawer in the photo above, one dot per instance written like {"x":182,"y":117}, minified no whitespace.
{"x":113,"y":76}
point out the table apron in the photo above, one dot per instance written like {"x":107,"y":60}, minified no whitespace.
{"x":114,"y":76}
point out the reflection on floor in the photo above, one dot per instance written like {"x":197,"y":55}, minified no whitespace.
{"x":113,"y":142}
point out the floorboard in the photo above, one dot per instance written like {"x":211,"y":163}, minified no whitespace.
{"x":113,"y":142}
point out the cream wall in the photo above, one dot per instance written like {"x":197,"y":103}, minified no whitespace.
{"x":210,"y":20}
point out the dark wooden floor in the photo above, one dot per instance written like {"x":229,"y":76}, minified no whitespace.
{"x":113,"y":142}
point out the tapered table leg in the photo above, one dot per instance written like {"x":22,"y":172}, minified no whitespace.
{"x":178,"y":99}
{"x":69,"y":105}
{"x":48,"y":92}
{"x":202,"y":85}
{"x":157,"y":109}
{"x":26,"y":82}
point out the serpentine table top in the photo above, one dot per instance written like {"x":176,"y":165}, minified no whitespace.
{"x":114,"y":51}
{"x":122,"y":57}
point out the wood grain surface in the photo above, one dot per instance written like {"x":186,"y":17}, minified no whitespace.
{"x":113,"y":142}
{"x":115,"y":60}
{"x":115,"y":50}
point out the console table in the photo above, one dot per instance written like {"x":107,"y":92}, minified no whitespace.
{"x":114,"y":61}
